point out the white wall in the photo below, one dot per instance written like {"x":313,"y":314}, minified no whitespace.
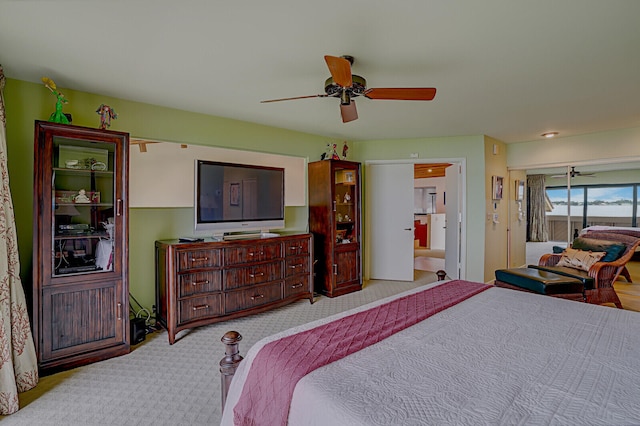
{"x":595,"y":148}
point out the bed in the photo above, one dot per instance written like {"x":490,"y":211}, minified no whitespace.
{"x":494,"y":356}
{"x":625,"y":230}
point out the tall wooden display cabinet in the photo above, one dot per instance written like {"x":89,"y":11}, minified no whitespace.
{"x":80,"y":291}
{"x":334,"y":220}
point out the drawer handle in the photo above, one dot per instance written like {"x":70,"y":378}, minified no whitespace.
{"x":297,"y":285}
{"x":259,"y":296}
{"x":261,"y":274}
{"x":299,"y":265}
{"x":197,"y":308}
{"x":253,"y":254}
{"x":199,"y":259}
{"x":295,"y":248}
{"x":194,"y":283}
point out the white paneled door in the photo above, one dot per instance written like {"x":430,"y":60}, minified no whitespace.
{"x":453,"y":204}
{"x":389,"y":199}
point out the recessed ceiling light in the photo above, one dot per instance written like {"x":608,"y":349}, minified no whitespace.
{"x":549,"y":134}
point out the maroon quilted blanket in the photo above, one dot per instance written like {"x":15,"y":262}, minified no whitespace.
{"x":279,"y":365}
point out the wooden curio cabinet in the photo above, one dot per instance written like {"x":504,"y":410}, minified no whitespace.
{"x":80,"y":255}
{"x":334,"y":220}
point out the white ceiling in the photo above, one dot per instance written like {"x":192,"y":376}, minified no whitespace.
{"x":509,"y":69}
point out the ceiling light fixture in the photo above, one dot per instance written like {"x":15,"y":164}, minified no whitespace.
{"x":549,"y":134}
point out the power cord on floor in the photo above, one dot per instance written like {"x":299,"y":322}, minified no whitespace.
{"x":139,"y":311}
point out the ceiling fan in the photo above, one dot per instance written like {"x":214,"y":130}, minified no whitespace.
{"x":573,"y":173}
{"x":346,"y":86}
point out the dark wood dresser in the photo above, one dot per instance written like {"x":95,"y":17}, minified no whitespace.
{"x":199,"y":283}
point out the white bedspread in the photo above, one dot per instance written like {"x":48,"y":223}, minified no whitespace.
{"x":501,"y":357}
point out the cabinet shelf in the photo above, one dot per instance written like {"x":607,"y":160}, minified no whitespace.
{"x":85,"y":204}
{"x":60,"y":237}
{"x":82,"y":172}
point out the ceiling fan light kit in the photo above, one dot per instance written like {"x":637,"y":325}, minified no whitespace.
{"x":344,"y":85}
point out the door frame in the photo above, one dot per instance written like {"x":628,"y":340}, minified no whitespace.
{"x":463,"y":208}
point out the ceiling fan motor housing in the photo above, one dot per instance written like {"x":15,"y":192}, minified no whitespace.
{"x":357,"y":88}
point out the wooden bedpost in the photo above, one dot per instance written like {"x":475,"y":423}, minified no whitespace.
{"x":230,"y":362}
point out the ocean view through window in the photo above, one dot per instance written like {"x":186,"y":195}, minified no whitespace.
{"x":610,"y":205}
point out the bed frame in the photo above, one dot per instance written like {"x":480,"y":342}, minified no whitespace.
{"x":231,"y":360}
{"x":229,"y":364}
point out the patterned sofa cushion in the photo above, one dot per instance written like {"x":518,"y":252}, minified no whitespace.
{"x":580,"y":259}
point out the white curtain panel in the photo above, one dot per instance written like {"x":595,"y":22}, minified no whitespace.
{"x":18,"y":363}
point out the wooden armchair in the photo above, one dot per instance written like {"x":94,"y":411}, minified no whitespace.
{"x":604,"y":274}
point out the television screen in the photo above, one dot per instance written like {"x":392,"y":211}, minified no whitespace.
{"x":237,"y":197}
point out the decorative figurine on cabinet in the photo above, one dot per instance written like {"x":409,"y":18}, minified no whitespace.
{"x":326,"y":155}
{"x":58,"y":116}
{"x":345,"y":149}
{"x":81,"y":197}
{"x":347,"y":198}
{"x":334,"y":155}
{"x":106,"y":115}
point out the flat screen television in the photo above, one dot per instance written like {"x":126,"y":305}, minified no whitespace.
{"x":232,"y":197}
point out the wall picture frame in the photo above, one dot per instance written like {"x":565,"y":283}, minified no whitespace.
{"x":519,"y":193}
{"x":497,"y":184}
{"x":234,"y":194}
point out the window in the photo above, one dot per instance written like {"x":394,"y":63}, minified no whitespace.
{"x":609,"y":205}
{"x":424,"y":200}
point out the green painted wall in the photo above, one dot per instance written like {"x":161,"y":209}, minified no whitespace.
{"x":469,"y":147}
{"x":27,"y":102}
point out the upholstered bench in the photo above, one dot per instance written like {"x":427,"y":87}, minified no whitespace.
{"x":534,"y":280}
{"x":578,"y":274}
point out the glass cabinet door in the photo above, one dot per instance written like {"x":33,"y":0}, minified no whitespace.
{"x":83,"y":206}
{"x":346,"y":213}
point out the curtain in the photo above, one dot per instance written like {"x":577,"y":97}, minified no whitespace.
{"x":18,"y":363}
{"x":537,"y":208}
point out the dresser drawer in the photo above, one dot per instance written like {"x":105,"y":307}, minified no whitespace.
{"x":199,"y":282}
{"x":198,"y":259}
{"x":251,"y":254}
{"x":252,"y":297}
{"x":251,"y":275}
{"x":296,"y":265}
{"x":296,"y":285}
{"x":199,"y":307}
{"x":296,"y":247}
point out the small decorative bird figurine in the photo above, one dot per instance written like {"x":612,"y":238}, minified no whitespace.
{"x":57,"y":116}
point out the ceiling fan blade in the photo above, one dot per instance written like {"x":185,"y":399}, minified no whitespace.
{"x":323,"y":95}
{"x":340,"y":69}
{"x":402,"y":93}
{"x":349,"y":112}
